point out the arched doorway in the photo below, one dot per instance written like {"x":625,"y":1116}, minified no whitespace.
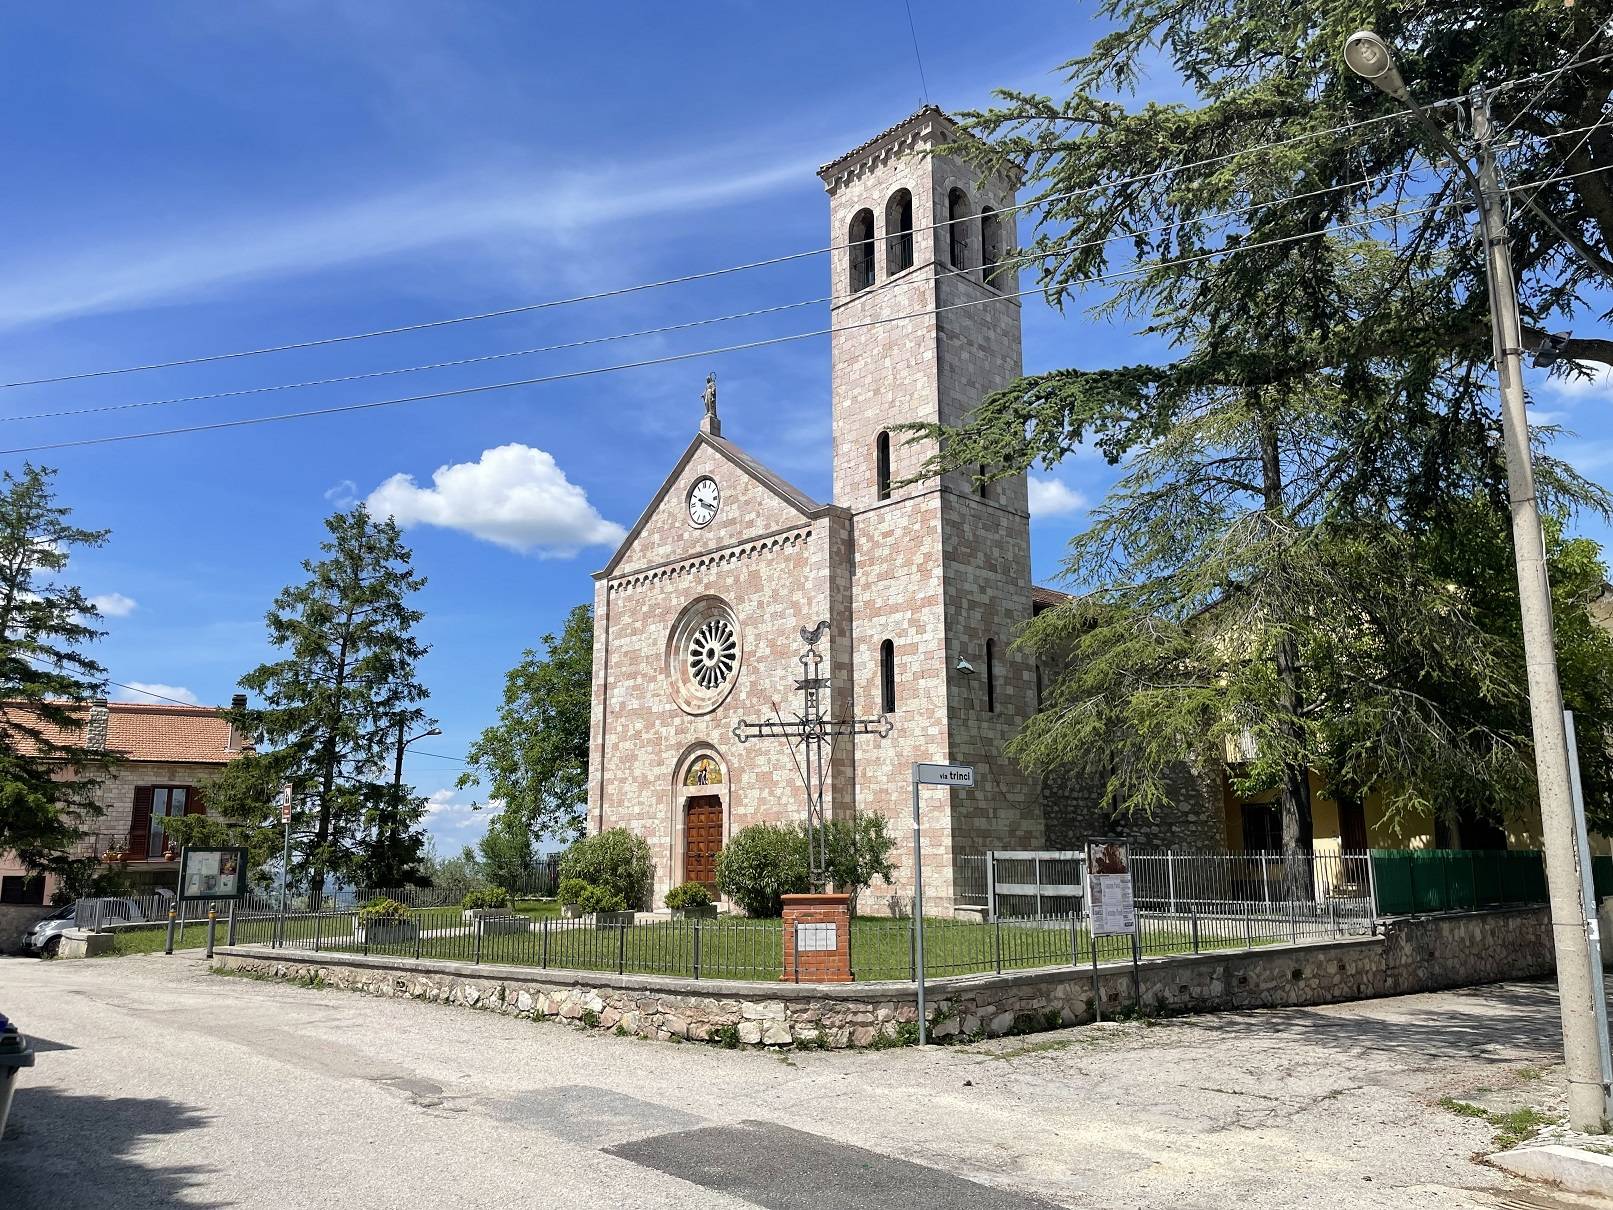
{"x":701,"y":805}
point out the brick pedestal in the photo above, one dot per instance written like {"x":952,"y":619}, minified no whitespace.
{"x":811,"y":922}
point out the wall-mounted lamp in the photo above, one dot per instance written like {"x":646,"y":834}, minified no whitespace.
{"x":965,"y":667}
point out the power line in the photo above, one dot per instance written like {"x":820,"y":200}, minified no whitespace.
{"x":1014,"y":262}
{"x":460,"y":392}
{"x":1011,"y":262}
{"x":917,"y":58}
{"x":620,"y":291}
{"x":1605,"y":28}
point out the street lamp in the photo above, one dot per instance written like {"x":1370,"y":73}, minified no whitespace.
{"x":1578,"y":982}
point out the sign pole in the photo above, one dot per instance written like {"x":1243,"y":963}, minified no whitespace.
{"x":918,"y":909}
{"x":928,"y":775}
{"x":285,"y":865}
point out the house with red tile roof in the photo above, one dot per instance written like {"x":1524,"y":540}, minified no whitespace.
{"x":161,"y":756}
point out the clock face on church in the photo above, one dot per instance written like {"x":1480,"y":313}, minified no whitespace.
{"x":704,"y":500}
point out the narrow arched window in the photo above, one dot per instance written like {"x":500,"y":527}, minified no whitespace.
{"x":991,"y":675}
{"x":958,"y":229}
{"x":1038,"y":684}
{"x":882,"y":465}
{"x":982,"y":487}
{"x":990,"y":252}
{"x":899,"y":232}
{"x":862,"y":250}
{"x":887,"y":677}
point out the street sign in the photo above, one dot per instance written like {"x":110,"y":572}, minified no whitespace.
{"x":944,"y":775}
{"x":285,"y":804}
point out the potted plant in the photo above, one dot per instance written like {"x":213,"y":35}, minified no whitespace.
{"x":570,"y":893}
{"x":691,"y":901}
{"x":493,"y":907}
{"x":383,"y":921}
{"x":607,"y":907}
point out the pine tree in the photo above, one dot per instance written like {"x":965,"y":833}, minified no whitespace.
{"x":45,"y":678}
{"x":536,"y":756}
{"x":1260,"y":582}
{"x":332,"y":706}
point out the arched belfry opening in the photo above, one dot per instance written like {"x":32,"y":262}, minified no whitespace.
{"x":861,"y":249}
{"x":899,"y":232}
{"x":957,"y":228}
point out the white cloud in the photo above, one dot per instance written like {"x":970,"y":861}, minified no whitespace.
{"x":143,"y":691}
{"x":114,"y":604}
{"x":1578,"y":386}
{"x":343,"y":494}
{"x":1054,"y":498}
{"x":514,"y":496}
{"x":490,"y":207}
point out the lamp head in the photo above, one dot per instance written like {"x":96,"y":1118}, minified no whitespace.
{"x":1370,"y":58}
{"x":965,"y":667}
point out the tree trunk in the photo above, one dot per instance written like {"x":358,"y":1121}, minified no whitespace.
{"x":1294,"y":795}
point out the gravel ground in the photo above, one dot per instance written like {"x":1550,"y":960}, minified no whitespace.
{"x":159,"y":1084}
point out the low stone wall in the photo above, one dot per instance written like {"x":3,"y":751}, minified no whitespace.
{"x":1409,"y":955}
{"x":15,"y":920}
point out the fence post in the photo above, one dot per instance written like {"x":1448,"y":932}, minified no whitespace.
{"x":1036,"y":869}
{"x":1194,"y":917}
{"x":1372,"y":891}
{"x":544,"y":964}
{"x":476,"y":929}
{"x":319,"y":921}
{"x":997,"y":945}
{"x":229,"y":930}
{"x":1265,"y":878}
{"x":417,"y":942}
{"x":621,"y":950}
{"x":1075,"y":940}
{"x":1248,"y":929}
{"x":1170,"y":878}
{"x":991,"y":884}
{"x":697,"y":947}
{"x":1293,"y":925}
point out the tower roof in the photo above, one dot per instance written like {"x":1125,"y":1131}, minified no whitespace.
{"x":928,"y":112}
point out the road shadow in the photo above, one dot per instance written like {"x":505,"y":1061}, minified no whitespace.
{"x":65,"y":1151}
{"x":1500,"y":1022}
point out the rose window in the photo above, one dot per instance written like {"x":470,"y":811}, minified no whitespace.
{"x":704,"y":651}
{"x":713,"y":652}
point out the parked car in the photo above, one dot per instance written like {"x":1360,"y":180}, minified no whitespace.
{"x":45,"y":938}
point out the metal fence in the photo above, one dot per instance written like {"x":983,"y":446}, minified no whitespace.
{"x":1027,"y":883}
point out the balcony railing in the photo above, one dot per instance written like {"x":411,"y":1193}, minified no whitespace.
{"x":124,"y":846}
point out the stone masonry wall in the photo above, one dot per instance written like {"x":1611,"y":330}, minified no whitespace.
{"x":1411,"y":955}
{"x":1073,"y":810}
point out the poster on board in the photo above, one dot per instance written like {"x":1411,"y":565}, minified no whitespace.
{"x":1109,"y":884}
{"x":212,"y":874}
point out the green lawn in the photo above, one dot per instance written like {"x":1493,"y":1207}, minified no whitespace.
{"x":737,"y":948}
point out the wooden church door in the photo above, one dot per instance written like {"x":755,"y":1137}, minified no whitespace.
{"x":702,"y":838}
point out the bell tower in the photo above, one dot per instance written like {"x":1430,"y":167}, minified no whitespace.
{"x":926,"y":324}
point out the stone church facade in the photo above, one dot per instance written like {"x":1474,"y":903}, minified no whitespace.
{"x":699,"y":614}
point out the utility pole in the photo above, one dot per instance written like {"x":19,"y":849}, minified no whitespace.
{"x":1582,"y":1049}
{"x":1583,"y":1043}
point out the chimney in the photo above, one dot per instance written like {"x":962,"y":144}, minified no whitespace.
{"x":95,"y":731}
{"x":233,"y":743}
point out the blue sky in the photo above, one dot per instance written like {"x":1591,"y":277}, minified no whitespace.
{"x":190,"y":178}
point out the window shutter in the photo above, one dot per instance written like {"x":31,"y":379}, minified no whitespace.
{"x":193,"y":802}
{"x":140,"y":823}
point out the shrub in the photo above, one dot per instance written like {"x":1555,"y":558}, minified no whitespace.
{"x":761,"y":863}
{"x":572,"y":890}
{"x":601,"y":899}
{"x":490,"y":897}
{"x":616,"y":860}
{"x":859,"y":851}
{"x":382,"y":910}
{"x":689,"y":895}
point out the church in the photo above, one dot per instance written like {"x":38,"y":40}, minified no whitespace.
{"x":699,"y":614}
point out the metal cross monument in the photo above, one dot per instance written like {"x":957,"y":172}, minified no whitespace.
{"x":811,"y":733}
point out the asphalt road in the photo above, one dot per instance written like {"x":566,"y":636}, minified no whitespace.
{"x":158,"y":1084}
